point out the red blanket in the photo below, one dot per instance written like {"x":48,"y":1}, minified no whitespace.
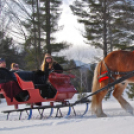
{"x":11,"y":89}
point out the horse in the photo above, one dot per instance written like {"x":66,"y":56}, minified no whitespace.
{"x":120,"y":62}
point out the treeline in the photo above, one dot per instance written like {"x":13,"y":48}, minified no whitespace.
{"x":108,"y":25}
{"x":10,"y":52}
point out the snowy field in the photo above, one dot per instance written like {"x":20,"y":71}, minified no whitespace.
{"x":117,"y":122}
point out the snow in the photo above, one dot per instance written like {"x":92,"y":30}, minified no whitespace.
{"x":117,"y":122}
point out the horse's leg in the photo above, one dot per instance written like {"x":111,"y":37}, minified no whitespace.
{"x":119,"y":88}
{"x":99,"y":97}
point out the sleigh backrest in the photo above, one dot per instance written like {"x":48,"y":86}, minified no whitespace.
{"x":60,"y":78}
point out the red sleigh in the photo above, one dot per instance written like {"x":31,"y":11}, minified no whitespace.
{"x":60,"y":82}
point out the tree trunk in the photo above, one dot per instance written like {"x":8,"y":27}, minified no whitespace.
{"x":35,"y":37}
{"x":104,"y":29}
{"x":48,"y":26}
{"x":39,"y":45}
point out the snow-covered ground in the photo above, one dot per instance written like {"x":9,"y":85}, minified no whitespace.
{"x":117,"y":122}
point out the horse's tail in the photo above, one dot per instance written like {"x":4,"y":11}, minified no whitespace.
{"x":95,"y":86}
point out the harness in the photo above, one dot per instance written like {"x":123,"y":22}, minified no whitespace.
{"x":109,"y":74}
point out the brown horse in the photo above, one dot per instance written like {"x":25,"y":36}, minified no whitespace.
{"x":118,"y":61}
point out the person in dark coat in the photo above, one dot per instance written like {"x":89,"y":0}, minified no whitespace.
{"x":49,"y":64}
{"x":9,"y":85}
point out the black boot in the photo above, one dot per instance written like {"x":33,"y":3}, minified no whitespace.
{"x":22,"y":96}
{"x":43,"y":91}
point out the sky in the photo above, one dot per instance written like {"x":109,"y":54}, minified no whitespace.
{"x":72,"y":34}
{"x":71,"y":31}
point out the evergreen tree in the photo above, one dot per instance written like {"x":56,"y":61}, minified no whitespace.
{"x":108,"y":23}
{"x":9,"y":51}
{"x":33,"y":26}
{"x":52,"y":12}
{"x":41,"y":27}
{"x":93,"y":15}
{"x":121,"y":27}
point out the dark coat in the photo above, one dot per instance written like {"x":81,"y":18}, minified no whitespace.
{"x":56,"y":68}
